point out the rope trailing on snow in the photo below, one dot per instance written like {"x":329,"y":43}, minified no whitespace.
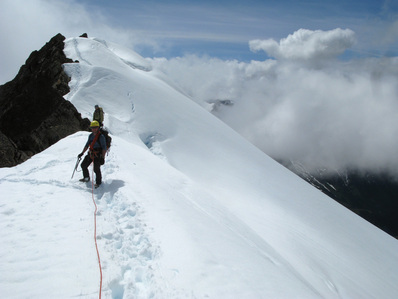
{"x":95,"y":229}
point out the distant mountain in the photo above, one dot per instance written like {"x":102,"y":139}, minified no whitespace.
{"x":374,"y":197}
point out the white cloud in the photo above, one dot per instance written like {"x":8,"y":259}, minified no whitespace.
{"x":338,"y":115}
{"x":26,"y":26}
{"x":307,"y":44}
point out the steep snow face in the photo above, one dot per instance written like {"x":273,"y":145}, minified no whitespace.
{"x":188,"y":208}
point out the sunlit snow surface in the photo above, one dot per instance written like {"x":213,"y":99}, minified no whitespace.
{"x":187,"y":209}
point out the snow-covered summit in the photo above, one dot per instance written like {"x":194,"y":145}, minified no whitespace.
{"x":188,"y":208}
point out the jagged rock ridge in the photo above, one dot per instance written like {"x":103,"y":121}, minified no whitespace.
{"x":34,"y":115}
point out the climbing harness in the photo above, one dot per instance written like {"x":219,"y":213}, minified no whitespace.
{"x":94,"y":140}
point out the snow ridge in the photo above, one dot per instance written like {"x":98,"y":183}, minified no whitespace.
{"x":187,"y":208}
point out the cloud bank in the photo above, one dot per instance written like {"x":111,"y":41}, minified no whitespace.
{"x":303,"y":105}
{"x":339,"y":115}
{"x":307,"y":44}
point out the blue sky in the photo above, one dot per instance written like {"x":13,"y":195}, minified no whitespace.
{"x":224,"y":28}
{"x":314,"y":107}
{"x":221,"y":29}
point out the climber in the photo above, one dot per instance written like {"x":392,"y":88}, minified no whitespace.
{"x":96,"y":145}
{"x":98,"y":115}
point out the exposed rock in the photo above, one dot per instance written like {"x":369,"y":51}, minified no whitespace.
{"x":371,"y":196}
{"x":9,"y":153}
{"x":215,"y":104}
{"x":34,"y":115}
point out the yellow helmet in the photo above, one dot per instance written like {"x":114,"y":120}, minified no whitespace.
{"x":94,"y":123}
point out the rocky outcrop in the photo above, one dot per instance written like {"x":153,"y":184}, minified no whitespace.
{"x":34,"y":115}
{"x":371,"y":196}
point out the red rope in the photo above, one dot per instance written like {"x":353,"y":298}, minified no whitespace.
{"x":95,"y":229}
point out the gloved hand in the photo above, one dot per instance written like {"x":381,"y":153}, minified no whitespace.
{"x":80,"y":155}
{"x":102,"y":160}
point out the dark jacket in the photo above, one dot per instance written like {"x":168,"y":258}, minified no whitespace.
{"x":99,"y":144}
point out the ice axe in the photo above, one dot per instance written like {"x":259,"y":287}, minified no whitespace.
{"x":77,"y":164}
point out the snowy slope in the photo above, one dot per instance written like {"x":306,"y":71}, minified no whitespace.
{"x":188,"y":208}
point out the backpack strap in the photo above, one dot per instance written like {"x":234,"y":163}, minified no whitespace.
{"x":95,"y":140}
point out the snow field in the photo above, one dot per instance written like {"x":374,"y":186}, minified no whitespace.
{"x":187,"y":208}
{"x":52,"y":254}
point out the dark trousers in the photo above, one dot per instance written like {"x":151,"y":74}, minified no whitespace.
{"x":97,"y":168}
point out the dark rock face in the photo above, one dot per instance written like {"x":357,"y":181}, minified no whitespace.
{"x":34,"y":115}
{"x":371,"y":196}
